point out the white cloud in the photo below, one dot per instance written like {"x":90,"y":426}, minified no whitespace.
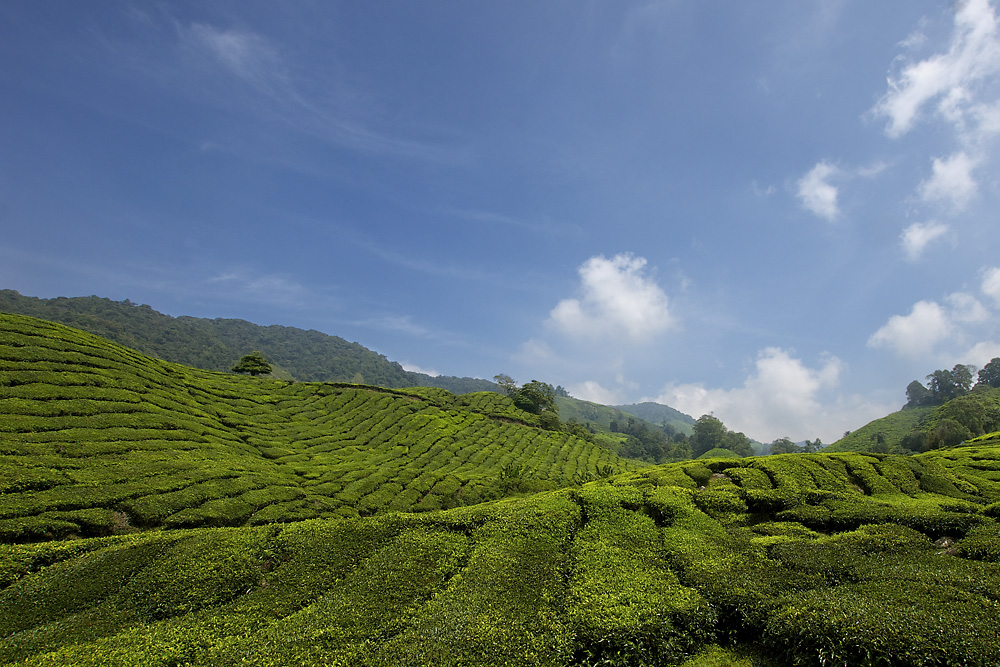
{"x":966,"y":309}
{"x":781,"y":397}
{"x":915,"y":334}
{"x":951,"y":180}
{"x":617,"y":299}
{"x":991,"y":284}
{"x":594,"y":392}
{"x":917,"y":236}
{"x":980,"y":354}
{"x":534,"y":352}
{"x":817,"y":194}
{"x":413,"y":368}
{"x":951,"y":77}
{"x":245,"y":54}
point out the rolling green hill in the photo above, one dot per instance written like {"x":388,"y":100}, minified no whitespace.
{"x":213,"y":519}
{"x":657,"y":413}
{"x":924,"y":428}
{"x":845,"y":559}
{"x":95,"y":437}
{"x":309,"y":356}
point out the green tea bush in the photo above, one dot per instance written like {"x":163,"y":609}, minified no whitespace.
{"x":899,"y":623}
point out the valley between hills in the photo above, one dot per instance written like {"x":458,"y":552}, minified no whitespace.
{"x":156,"y":513}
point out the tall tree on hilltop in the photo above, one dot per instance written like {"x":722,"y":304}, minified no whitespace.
{"x":709,"y":433}
{"x":989,"y":376}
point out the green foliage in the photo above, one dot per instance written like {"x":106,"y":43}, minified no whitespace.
{"x":100,"y":439}
{"x":308,"y":356}
{"x":989,"y":375}
{"x":632,"y":570}
{"x":286,"y":546}
{"x":253,"y":364}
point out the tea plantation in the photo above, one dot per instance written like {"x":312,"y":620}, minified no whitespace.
{"x":230,"y":522}
{"x":96,"y":439}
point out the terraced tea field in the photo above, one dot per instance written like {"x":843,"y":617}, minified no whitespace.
{"x":285,"y":548}
{"x":96,"y":439}
{"x":791,"y":560}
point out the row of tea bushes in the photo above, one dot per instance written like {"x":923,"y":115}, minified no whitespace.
{"x":612,"y":573}
{"x":98,"y":439}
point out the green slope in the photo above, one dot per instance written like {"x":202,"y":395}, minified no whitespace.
{"x":957,"y":420}
{"x":835,"y":559}
{"x":217,"y":344}
{"x":657,"y":413}
{"x":95,"y":438}
{"x":783,"y":560}
{"x":893,"y":428}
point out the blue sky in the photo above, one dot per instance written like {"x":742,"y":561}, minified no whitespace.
{"x":779,"y":212}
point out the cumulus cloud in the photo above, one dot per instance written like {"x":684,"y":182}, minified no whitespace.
{"x":943,"y":333}
{"x":949,"y":78}
{"x":817,"y":194}
{"x":951,"y":181}
{"x":618,"y":298}
{"x":966,"y":308}
{"x":991,"y":284}
{"x":915,"y":334}
{"x":918,"y":236}
{"x":781,"y":397}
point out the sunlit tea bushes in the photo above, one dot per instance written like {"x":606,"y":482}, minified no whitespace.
{"x":285,"y":547}
{"x":97,"y":438}
{"x":621,"y":572}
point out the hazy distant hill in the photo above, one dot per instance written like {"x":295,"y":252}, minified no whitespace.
{"x":309,"y":356}
{"x":657,"y":413}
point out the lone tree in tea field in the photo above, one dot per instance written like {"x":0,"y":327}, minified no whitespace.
{"x":254,"y":363}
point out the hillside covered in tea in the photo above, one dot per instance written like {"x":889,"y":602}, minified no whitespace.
{"x":94,"y":437}
{"x":223,"y":520}
{"x":214,"y":344}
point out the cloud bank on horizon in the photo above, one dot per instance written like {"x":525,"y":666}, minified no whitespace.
{"x":778,"y":217}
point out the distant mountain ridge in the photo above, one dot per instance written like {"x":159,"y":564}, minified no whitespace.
{"x":657,"y":413}
{"x":216,"y":344}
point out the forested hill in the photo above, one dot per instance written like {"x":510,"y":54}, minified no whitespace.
{"x":657,"y":413}
{"x":216,"y":344}
{"x":975,"y":415}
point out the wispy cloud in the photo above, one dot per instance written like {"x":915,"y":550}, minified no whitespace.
{"x":399,"y":323}
{"x":817,"y":193}
{"x":543,"y":226}
{"x":245,"y":54}
{"x":916,"y":237}
{"x":618,"y":299}
{"x":951,"y":79}
{"x":271,"y":289}
{"x":250,"y":74}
